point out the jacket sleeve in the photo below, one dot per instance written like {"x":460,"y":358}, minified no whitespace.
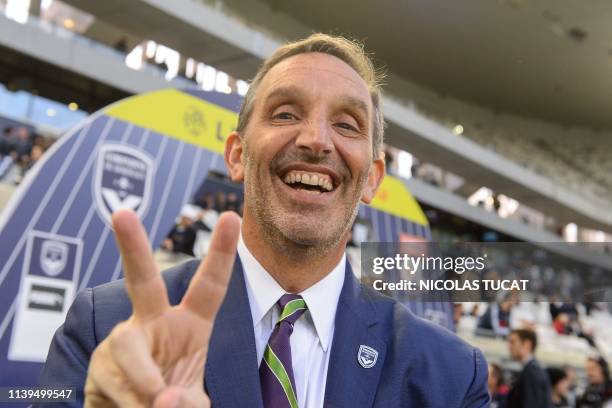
{"x":477,"y":395}
{"x":70,"y":350}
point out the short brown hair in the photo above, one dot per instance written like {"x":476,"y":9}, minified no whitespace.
{"x":349,"y":51}
{"x":527,"y":335}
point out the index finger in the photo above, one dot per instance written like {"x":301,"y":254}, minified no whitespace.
{"x":143,"y":281}
{"x":209,"y":284}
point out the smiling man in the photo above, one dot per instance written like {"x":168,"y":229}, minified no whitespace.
{"x":285,"y":323}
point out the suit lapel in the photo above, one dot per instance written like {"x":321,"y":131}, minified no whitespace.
{"x":232,"y":376}
{"x":348,"y":382}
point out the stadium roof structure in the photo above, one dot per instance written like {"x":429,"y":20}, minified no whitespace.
{"x":545,"y":59}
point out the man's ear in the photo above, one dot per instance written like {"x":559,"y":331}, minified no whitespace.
{"x":375,"y":177}
{"x":234,"y":148}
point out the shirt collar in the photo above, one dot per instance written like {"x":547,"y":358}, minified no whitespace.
{"x":321,"y":298}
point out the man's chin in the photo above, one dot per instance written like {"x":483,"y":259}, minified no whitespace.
{"x":306,"y":237}
{"x":307,"y":232}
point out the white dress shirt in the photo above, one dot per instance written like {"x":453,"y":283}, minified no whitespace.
{"x":312,"y":333}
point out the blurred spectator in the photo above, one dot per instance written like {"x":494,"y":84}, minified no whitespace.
{"x":7,"y":141}
{"x":19,"y":151}
{"x":416,"y":165}
{"x":496,"y":203}
{"x":389,"y":161}
{"x":559,"y":383}
{"x":561,"y":324}
{"x":497,"y":389}
{"x":232,"y":203}
{"x":220,"y":201}
{"x":599,"y":388}
{"x":23,"y":144}
{"x":182,"y":237}
{"x":532,"y":387}
{"x":457,"y":314}
{"x":29,"y":161}
{"x":475,"y":312}
{"x":570,"y":372}
{"x":201,"y":223}
{"x":562,"y":307}
{"x":207,"y":202}
{"x":496,"y":319}
{"x":566,"y":321}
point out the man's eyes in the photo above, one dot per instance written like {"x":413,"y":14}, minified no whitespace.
{"x":347,"y":126}
{"x":284,"y":116}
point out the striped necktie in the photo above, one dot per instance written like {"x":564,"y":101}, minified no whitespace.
{"x":276,"y":370}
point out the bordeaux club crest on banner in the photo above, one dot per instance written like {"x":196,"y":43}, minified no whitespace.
{"x":53,"y":257}
{"x":49,"y":275}
{"x":123,"y":179}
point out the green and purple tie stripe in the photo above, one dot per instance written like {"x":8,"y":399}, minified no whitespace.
{"x":276,"y":370}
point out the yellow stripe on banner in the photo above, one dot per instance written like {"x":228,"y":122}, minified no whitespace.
{"x":180,"y":116}
{"x":394,"y":198}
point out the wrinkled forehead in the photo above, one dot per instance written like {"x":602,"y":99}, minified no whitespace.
{"x":316,"y":74}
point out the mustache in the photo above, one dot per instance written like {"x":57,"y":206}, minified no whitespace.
{"x":304,"y":156}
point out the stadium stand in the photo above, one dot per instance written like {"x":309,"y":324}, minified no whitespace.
{"x":577,"y":159}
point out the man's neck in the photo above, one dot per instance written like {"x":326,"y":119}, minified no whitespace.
{"x":295,"y":269}
{"x":527,"y":358}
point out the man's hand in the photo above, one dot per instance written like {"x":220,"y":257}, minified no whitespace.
{"x":157,"y":357}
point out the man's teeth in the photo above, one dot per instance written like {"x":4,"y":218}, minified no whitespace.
{"x":311,"y":179}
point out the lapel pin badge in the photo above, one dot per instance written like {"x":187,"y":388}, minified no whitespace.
{"x":367,"y":356}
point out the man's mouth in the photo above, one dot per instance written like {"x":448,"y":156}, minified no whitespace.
{"x":312,"y":182}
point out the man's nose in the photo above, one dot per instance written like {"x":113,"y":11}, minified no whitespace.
{"x":316,"y":136}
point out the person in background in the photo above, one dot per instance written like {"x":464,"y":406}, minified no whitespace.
{"x":43,"y":142}
{"x":457,"y":314}
{"x":389,"y":161}
{"x":7,"y":141}
{"x":200,"y":224}
{"x":566,"y":321}
{"x":220,"y":201}
{"x":233,"y":202}
{"x":561,"y":324}
{"x":32,"y":159}
{"x":570,"y":372}
{"x":207,"y":202}
{"x":560,"y":383}
{"x":182,"y":237}
{"x":23,"y":144}
{"x":498,"y":390}
{"x":496,"y":319}
{"x":599,"y":388}
{"x":532,"y":387}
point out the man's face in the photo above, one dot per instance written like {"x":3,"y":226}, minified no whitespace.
{"x":307,"y":151}
{"x":516,"y":347}
{"x":492,"y":380}
{"x":563,"y":386}
{"x":593,"y":372}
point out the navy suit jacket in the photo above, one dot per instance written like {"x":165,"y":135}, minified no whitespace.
{"x":419,"y":364}
{"x":531,"y":389}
